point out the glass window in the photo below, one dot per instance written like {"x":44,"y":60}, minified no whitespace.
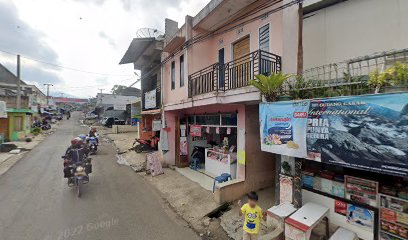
{"x":173,"y":75}
{"x":208,"y":120}
{"x":264,"y":38}
{"x":229,"y":119}
{"x":181,"y":70}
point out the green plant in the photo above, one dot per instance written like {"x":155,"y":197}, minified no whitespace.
{"x":35,"y":131}
{"x":270,"y":86}
{"x":394,"y":75}
{"x":300,"y":88}
{"x":286,"y":168}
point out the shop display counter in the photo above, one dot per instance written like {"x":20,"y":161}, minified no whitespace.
{"x":217,"y":162}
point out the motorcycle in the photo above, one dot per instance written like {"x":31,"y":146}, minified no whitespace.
{"x":46,"y":126}
{"x":93,"y":145}
{"x":79,"y":174}
{"x":141,"y":145}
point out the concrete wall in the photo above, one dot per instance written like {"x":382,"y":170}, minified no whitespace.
{"x":354,"y":28}
{"x":11,"y":101}
{"x":259,"y":166}
{"x":123,"y":129}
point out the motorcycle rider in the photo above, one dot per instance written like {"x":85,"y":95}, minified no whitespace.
{"x":93,"y":133}
{"x":76,"y":152}
{"x":84,"y":143}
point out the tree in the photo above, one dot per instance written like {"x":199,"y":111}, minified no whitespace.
{"x":118,"y":89}
{"x":270,"y":86}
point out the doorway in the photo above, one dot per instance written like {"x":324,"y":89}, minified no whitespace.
{"x":241,"y":69}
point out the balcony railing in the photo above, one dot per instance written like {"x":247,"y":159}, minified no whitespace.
{"x":349,"y":77}
{"x":234,"y":74}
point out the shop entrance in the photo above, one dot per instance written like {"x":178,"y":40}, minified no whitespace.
{"x":211,"y":144}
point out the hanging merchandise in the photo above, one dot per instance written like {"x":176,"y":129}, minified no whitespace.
{"x":183,"y":146}
{"x":207,"y":130}
{"x":156,"y":125}
{"x":195,"y":130}
{"x":217,"y":130}
{"x":229,"y":131}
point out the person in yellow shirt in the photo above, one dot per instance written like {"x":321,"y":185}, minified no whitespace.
{"x":253,"y":214}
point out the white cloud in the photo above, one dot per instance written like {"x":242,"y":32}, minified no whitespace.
{"x":88,"y":35}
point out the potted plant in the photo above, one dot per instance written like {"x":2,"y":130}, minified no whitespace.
{"x":270,"y":87}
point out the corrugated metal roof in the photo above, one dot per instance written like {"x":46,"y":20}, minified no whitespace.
{"x":8,"y":77}
{"x":136,"y":49}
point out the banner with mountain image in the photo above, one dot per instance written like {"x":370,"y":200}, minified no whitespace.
{"x":368,"y":132}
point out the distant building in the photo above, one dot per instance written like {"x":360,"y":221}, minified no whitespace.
{"x":31,"y":95}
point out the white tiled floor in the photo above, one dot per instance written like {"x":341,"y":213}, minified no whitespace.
{"x":205,"y":181}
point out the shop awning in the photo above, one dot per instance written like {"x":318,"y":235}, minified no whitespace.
{"x":19,"y":110}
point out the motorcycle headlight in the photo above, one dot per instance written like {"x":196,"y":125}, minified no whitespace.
{"x":80,"y":169}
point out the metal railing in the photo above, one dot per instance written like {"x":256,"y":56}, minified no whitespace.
{"x":234,"y":74}
{"x":344,"y":78}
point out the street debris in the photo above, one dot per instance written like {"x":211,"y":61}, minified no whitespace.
{"x":121,"y":160}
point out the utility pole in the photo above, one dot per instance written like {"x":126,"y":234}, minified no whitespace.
{"x":48,"y":90}
{"x":18,"y":83}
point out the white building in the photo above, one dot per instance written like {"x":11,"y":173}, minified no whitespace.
{"x":338,"y":30}
{"x":118,"y":102}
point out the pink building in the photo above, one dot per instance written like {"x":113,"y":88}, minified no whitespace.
{"x":207,"y":100}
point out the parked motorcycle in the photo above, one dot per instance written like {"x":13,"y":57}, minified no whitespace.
{"x":46,"y":126}
{"x":141,"y":145}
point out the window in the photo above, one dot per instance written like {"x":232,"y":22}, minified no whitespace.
{"x":173,"y":75}
{"x":181,"y":70}
{"x":264,"y":38}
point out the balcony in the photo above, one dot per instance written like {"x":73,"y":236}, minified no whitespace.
{"x":234,"y":74}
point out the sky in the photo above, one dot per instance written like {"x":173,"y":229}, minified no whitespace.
{"x":86,"y":35}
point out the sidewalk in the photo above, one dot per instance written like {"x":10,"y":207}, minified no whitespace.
{"x":7,"y":160}
{"x":188,"y":199}
{"x":232,"y":223}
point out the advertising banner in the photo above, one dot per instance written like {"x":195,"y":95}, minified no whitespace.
{"x":360,"y":216}
{"x":150,"y":99}
{"x":367,"y":132}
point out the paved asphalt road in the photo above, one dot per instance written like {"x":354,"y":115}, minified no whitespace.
{"x":36,"y":203}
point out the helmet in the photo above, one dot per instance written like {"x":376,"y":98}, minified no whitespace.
{"x":82,"y":137}
{"x":76,"y":141}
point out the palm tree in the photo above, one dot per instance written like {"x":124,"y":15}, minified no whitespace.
{"x":270,"y":86}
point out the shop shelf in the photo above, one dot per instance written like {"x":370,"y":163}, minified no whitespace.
{"x":393,"y":235}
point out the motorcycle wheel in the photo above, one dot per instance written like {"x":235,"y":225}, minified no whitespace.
{"x":139,"y":148}
{"x":79,"y":188}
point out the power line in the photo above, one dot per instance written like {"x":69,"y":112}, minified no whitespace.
{"x":64,"y":67}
